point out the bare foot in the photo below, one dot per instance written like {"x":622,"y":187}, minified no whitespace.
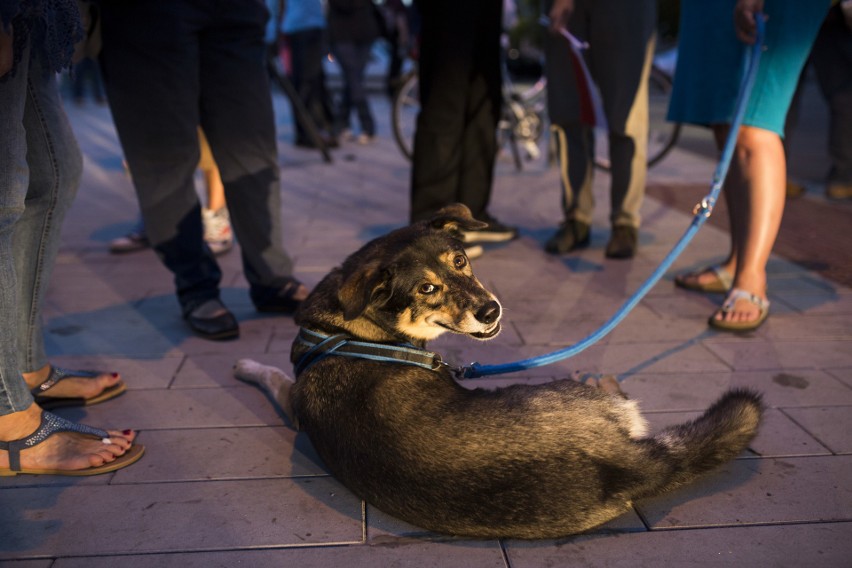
{"x":71,"y":387}
{"x":64,"y":451}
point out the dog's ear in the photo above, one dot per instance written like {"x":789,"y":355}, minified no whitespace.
{"x":359,"y":288}
{"x":455,"y":218}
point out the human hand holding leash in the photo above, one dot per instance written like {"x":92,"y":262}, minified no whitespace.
{"x":560,"y":13}
{"x":745,"y":14}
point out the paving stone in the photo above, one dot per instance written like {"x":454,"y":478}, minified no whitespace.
{"x":830,"y":425}
{"x":169,"y":517}
{"x":241,"y":405}
{"x":223,"y":454}
{"x":825,"y":545}
{"x":758,"y":491}
{"x":696,"y":391}
{"x":401,"y":552}
{"x":782,"y":355}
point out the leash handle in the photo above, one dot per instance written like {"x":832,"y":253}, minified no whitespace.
{"x":701,"y":214}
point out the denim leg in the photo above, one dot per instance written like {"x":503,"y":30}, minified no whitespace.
{"x":56,"y":166}
{"x":152,"y":82}
{"x":31,"y":152}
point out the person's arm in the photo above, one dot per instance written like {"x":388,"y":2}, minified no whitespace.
{"x":6,"y":43}
{"x":560,"y":13}
{"x":745,"y":14}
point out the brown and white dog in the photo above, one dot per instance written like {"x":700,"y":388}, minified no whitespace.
{"x":526,"y":461}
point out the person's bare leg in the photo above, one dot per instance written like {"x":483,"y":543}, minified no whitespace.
{"x":733,"y":184}
{"x":73,"y":387}
{"x":61,"y":451}
{"x":756,"y":213}
{"x":215,"y":188}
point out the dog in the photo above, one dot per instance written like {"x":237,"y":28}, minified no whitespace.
{"x":525,"y":461}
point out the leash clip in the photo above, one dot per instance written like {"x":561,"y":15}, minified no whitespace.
{"x":705,"y":207}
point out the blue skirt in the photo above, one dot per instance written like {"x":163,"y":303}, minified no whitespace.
{"x":711,"y":62}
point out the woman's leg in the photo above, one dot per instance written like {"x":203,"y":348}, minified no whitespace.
{"x":19,"y":416}
{"x":733,"y":185}
{"x":55,"y":167}
{"x":756,"y":210}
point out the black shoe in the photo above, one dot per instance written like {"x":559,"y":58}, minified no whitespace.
{"x":279,"y":301}
{"x":495,"y":232}
{"x":212,"y":320}
{"x":571,"y":235}
{"x":327,"y":139}
{"x":622,"y":243}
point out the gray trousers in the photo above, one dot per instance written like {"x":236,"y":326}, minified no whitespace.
{"x":621,"y":37}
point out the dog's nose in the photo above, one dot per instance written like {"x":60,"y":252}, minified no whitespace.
{"x":489,"y":313}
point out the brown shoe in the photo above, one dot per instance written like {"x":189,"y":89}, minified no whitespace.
{"x":572,"y":234}
{"x":839,"y":191}
{"x":622,"y":242}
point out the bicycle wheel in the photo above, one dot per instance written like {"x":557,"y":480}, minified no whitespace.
{"x":662,"y":135}
{"x":404,"y":111}
{"x":523,"y":119}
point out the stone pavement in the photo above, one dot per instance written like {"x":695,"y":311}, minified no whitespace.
{"x":226,"y":481}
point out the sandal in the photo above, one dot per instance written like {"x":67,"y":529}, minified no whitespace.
{"x":52,"y":424}
{"x":723,"y":281}
{"x":734,"y":296}
{"x":57,"y":374}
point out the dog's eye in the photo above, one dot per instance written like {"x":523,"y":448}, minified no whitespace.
{"x":460,"y":261}
{"x":428,"y":288}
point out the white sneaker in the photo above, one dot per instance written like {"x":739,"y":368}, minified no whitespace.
{"x":364,"y":139}
{"x":217,"y":230}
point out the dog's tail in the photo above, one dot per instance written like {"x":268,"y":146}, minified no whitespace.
{"x":716,"y":437}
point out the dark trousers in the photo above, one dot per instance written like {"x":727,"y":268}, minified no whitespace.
{"x":455,"y":144}
{"x":832,"y":59}
{"x":307,"y":49}
{"x":170,"y":66}
{"x":353,"y":58}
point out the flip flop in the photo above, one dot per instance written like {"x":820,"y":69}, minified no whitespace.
{"x":722,"y":283}
{"x":52,"y":424}
{"x":734,"y":296}
{"x":57,"y":374}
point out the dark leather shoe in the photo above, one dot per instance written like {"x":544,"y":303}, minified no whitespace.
{"x":571,"y":235}
{"x":212,"y":320}
{"x":622,"y":242}
{"x":281,"y":301}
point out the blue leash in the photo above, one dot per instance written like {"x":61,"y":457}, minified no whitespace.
{"x":702,"y":212}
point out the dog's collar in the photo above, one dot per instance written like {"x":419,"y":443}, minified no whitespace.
{"x":315,"y":346}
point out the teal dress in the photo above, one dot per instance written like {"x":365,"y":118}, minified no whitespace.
{"x":711,"y":61}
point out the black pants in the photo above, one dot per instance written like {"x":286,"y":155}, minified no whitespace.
{"x":455,"y":145}
{"x":170,"y":66}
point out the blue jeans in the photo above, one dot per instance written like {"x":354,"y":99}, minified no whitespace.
{"x":40,"y":169}
{"x":170,"y":66}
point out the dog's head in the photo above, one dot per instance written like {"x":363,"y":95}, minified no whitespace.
{"x":417,"y":283}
